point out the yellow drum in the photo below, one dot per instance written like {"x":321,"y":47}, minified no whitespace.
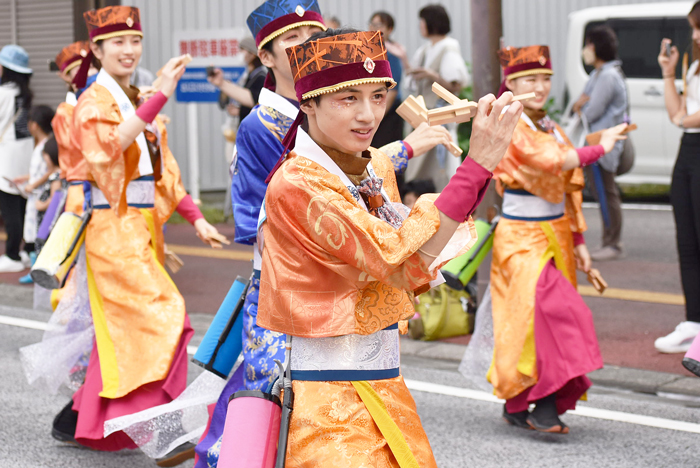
{"x":58,"y":254}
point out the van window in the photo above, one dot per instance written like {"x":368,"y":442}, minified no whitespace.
{"x":639,"y":41}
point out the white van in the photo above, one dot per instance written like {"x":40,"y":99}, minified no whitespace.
{"x":639,"y":29}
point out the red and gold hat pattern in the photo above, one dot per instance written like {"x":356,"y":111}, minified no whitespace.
{"x":70,"y":56}
{"x":329,"y":64}
{"x":522,"y":61}
{"x":113,"y":21}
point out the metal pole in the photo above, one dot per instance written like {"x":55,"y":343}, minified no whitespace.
{"x":487,"y":30}
{"x":13,"y":21}
{"x":193,"y":150}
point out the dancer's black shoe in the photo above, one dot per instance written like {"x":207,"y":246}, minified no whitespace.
{"x":544,"y":417}
{"x":179,"y":454}
{"x":64,"y":425}
{"x":518,"y":419}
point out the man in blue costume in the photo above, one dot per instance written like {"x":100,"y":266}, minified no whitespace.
{"x":276,"y":25}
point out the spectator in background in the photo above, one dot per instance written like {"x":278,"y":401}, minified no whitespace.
{"x":53,"y":180}
{"x":439,"y":60}
{"x":142,"y":78}
{"x":40,"y":118}
{"x":16,"y":145}
{"x":332,"y":22}
{"x":604,"y":104}
{"x":246,"y":93}
{"x":391,"y":128}
{"x":414,"y":189}
{"x":685,"y":196}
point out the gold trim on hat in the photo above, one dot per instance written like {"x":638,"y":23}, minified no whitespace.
{"x":283,"y":30}
{"x":347,"y":84}
{"x":125,"y":32}
{"x":72,"y":65}
{"x":534,"y":71}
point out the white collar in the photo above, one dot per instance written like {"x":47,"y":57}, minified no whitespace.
{"x":309,"y":149}
{"x":268,"y":98}
{"x":531,"y":124}
{"x":71,"y":99}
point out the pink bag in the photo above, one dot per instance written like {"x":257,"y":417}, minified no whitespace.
{"x":251,"y":430}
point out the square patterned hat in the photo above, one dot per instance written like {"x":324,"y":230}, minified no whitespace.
{"x":71,"y":55}
{"x":329,"y":64}
{"x":105,"y":23}
{"x":524,"y":61}
{"x":275,"y":17}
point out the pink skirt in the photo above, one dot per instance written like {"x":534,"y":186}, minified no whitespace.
{"x":93,"y":410}
{"x":566,"y":345}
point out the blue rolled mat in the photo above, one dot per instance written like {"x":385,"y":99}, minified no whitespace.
{"x":223,"y":342}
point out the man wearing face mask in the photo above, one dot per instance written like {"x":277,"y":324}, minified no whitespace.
{"x":604,"y":104}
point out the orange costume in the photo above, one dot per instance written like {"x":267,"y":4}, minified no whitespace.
{"x":545,"y":342}
{"x":141,"y":328}
{"x":338,"y":278}
{"x":73,"y":166}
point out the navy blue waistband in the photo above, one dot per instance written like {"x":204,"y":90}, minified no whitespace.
{"x":522,"y":218}
{"x":133,"y":205}
{"x":344,"y":375}
{"x":519,"y":192}
{"x":75,"y":182}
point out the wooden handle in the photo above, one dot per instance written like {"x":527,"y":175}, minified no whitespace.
{"x":594,"y":138}
{"x":445,"y":94}
{"x":523,"y":97}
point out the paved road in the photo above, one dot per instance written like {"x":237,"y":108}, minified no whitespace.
{"x":463,"y":431}
{"x":626,"y":329}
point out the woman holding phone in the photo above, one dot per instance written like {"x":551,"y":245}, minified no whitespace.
{"x":684,"y":111}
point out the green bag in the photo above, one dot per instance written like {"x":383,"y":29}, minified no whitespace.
{"x":444,"y":312}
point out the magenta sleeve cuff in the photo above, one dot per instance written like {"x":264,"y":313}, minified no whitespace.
{"x":188,"y":210}
{"x":409,"y":150}
{"x":590,"y":154}
{"x":578,"y":239}
{"x":149,"y":109}
{"x":465,"y":191}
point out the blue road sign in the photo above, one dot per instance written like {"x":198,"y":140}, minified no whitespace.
{"x":194,"y":87}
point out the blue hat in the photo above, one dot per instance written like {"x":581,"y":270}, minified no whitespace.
{"x":15,"y":58}
{"x":275,"y":17}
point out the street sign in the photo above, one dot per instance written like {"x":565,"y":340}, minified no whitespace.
{"x":194,"y":87}
{"x":215,"y":47}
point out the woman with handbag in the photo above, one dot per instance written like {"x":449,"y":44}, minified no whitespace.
{"x":604,"y":104}
{"x":544,"y":339}
{"x":684,"y":111}
{"x":16,"y":146}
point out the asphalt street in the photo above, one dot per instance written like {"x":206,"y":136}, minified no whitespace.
{"x":463,"y":431}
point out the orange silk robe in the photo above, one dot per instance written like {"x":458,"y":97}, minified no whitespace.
{"x":137,"y":310}
{"x":330,"y":268}
{"x":72,"y":163}
{"x":533,"y":162}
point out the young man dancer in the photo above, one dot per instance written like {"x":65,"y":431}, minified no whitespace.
{"x":275,"y":25}
{"x":341,"y":263}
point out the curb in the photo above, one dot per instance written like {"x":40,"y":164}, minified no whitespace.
{"x":636,"y":380}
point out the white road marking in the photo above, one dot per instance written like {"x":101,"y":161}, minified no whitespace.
{"x":459,"y":392}
{"x":24,"y":323}
{"x":634,"y":206}
{"x":36,"y":325}
{"x":585,"y":411}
